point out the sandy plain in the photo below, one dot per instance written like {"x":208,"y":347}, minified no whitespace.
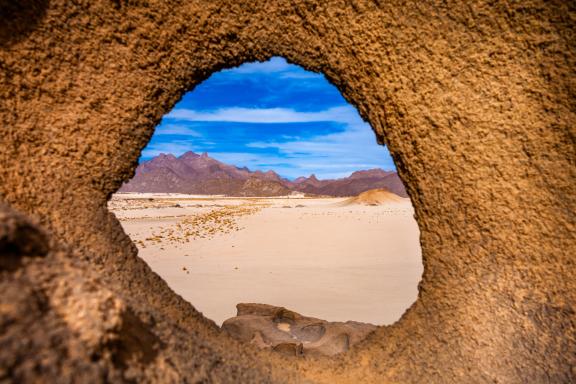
{"x":315,"y":256}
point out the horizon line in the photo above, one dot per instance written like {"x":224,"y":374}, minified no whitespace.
{"x":142,"y":160}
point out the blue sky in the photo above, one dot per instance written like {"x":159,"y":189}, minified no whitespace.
{"x":271,"y":115}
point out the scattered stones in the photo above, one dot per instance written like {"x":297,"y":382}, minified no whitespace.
{"x":203,"y":225}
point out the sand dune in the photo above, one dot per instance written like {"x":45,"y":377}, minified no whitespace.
{"x":374,"y":197}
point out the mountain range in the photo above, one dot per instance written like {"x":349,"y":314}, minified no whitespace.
{"x":197,"y":174}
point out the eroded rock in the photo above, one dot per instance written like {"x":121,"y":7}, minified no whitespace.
{"x":290,"y":333}
{"x":475,"y":101}
{"x":19,"y":238}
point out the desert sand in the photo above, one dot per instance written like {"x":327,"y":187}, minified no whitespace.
{"x":318,"y":256}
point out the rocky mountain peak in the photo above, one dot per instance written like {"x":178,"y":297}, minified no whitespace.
{"x":200,"y":174}
{"x":374,"y":172}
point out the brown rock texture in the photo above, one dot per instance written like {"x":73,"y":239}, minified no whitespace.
{"x":475,"y":100}
{"x":292,"y":334}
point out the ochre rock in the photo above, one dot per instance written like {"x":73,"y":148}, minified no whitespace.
{"x":290,"y":333}
{"x":476,"y":101}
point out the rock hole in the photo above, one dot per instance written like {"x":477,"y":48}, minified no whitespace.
{"x":207,"y":209}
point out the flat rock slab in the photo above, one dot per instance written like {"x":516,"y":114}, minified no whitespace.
{"x":288,"y":332}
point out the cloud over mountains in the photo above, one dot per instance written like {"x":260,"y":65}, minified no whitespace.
{"x":271,"y":115}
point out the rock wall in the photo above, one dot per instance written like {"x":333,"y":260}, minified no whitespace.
{"x":475,"y":100}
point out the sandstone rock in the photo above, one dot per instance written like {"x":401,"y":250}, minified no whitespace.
{"x":290,"y":333}
{"x":19,"y":238}
{"x":474,"y":99}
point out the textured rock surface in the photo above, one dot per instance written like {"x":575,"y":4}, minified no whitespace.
{"x":476,"y":102}
{"x":292,"y":334}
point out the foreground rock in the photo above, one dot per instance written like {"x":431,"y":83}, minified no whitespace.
{"x":290,"y":333}
{"x":476,"y":101}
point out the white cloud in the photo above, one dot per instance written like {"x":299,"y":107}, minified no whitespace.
{"x":274,"y":65}
{"x":174,"y":129}
{"x":344,"y":114}
{"x":324,"y":166}
{"x":250,"y":160}
{"x":332,"y":155}
{"x":328,"y":156}
{"x":297,"y":75}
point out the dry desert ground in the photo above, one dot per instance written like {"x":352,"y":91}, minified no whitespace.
{"x":322,"y":257}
